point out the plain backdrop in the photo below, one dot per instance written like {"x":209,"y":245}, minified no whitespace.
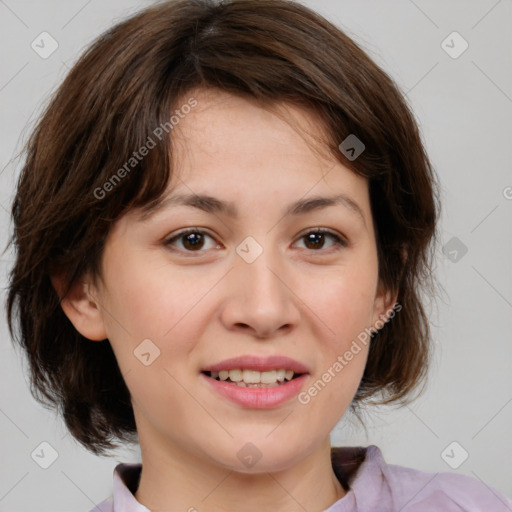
{"x":463,"y":102}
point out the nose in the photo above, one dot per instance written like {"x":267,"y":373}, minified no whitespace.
{"x":260,"y":298}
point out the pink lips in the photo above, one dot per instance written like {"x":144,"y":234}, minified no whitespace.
{"x":257,"y":398}
{"x":253,"y":397}
{"x":258,"y":363}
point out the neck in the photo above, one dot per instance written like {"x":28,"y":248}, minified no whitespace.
{"x":173,"y":479}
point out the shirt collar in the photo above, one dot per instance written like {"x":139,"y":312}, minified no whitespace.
{"x":126,"y":481}
{"x":360,"y":471}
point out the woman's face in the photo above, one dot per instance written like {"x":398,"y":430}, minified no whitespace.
{"x":252,"y":280}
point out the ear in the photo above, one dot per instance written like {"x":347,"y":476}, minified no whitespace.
{"x":82,"y":309}
{"x":386,"y":300}
{"x":383,"y":309}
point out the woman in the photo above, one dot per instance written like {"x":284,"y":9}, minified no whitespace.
{"x":223,"y":227}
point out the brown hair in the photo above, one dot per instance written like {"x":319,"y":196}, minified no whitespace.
{"x":124,"y":86}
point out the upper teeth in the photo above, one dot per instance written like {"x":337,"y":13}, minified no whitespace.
{"x":254,"y":376}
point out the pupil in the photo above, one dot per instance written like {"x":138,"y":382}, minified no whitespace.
{"x":311,"y":239}
{"x":193,"y":240}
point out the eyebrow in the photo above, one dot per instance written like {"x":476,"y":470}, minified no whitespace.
{"x":213,"y":205}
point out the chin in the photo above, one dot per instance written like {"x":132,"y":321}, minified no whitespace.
{"x":259,"y":454}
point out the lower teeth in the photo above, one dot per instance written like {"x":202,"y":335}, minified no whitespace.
{"x":242,"y":384}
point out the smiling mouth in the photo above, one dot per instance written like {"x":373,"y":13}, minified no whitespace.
{"x":245,"y":378}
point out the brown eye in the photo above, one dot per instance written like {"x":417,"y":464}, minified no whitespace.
{"x":192,"y":240}
{"x":315,"y":240}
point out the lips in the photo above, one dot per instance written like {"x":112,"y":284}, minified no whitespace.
{"x":256,"y":396}
{"x":258,"y":363}
{"x":269,"y":390}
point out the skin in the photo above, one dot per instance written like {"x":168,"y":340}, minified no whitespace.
{"x":305,"y":300}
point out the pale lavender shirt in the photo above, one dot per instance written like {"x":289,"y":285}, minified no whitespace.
{"x":372,"y":485}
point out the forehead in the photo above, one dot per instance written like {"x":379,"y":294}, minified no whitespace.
{"x":224,"y":124}
{"x":231,"y":156}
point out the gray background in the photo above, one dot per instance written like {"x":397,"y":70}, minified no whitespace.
{"x":464,"y":106}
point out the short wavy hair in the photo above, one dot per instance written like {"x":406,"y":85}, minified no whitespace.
{"x":128,"y":82}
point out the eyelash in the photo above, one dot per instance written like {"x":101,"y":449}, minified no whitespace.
{"x":338,"y":241}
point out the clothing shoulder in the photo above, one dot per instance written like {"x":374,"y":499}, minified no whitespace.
{"x":417,"y":491}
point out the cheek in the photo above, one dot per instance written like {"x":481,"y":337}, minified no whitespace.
{"x":151,"y":300}
{"x":152,"y":297}
{"x":156,"y":302}
{"x":343,"y":302}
